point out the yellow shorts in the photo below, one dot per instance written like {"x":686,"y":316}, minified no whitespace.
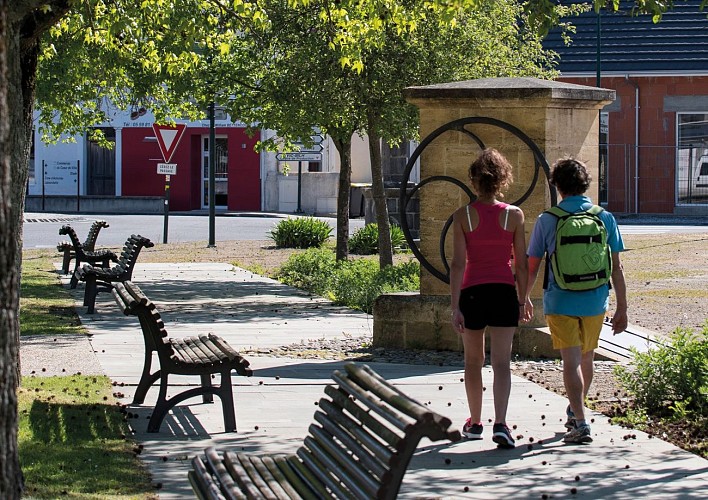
{"x":573,"y":331}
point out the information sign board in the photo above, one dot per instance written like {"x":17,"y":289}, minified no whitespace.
{"x":167,"y":168}
{"x":298,"y":156}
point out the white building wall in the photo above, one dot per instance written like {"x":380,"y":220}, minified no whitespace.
{"x":58,"y":168}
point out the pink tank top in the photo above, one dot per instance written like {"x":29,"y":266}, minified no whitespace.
{"x":489,"y":247}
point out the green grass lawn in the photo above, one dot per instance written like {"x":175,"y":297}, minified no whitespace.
{"x":74,"y":440}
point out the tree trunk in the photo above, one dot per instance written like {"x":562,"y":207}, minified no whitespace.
{"x":20,"y":28}
{"x":12,"y":144}
{"x":344,"y":148}
{"x":379,"y":195}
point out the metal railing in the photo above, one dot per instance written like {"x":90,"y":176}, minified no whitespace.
{"x":654,"y":179}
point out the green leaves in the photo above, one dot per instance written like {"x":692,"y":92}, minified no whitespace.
{"x":365,"y":241}
{"x":352,"y":283}
{"x":672,"y":376}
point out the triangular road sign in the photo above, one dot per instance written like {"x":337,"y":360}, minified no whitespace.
{"x":168,"y":137}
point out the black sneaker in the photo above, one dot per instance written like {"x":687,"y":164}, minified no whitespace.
{"x":472,"y":431}
{"x":502,"y":436}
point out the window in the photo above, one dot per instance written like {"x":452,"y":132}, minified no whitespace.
{"x":604,"y":141}
{"x":692,"y":158}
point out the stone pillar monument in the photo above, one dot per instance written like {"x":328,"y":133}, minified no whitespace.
{"x":516,"y":115}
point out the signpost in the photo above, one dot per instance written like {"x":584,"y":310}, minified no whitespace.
{"x":312,"y":153}
{"x":168,"y":138}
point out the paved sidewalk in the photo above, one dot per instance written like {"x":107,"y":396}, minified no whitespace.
{"x":275,"y":407}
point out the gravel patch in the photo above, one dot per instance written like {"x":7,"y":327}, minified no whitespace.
{"x":66,"y":355}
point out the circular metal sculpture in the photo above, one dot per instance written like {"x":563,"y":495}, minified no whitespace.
{"x":460,"y":126}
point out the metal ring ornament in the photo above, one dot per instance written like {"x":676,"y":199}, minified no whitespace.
{"x":406,"y":195}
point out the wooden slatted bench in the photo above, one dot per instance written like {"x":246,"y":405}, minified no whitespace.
{"x":103,"y":278}
{"x":365,"y":434}
{"x":81,"y":253}
{"x":201,"y":355}
{"x":89,"y":245}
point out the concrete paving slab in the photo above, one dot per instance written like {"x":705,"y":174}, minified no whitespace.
{"x":275,"y":406}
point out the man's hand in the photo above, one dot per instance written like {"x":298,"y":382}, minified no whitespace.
{"x":619,"y":322}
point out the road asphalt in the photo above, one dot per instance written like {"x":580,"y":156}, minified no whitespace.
{"x":275,"y":406}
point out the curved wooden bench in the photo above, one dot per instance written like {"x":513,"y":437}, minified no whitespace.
{"x":103,"y":278}
{"x":201,"y":355}
{"x":101,"y":258}
{"x":68,"y":250}
{"x":365,"y":434}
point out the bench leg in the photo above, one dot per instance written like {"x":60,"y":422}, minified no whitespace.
{"x":207,"y":397}
{"x":90,"y":292}
{"x":74,"y":278}
{"x":66,"y":262}
{"x":146,"y":380}
{"x":227,"y":401}
{"x":161,"y":407}
{"x":164,"y":405}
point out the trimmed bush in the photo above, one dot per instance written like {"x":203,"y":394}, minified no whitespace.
{"x":300,"y":232}
{"x":365,"y":241}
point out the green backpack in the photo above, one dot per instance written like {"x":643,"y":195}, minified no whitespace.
{"x":582,"y":259}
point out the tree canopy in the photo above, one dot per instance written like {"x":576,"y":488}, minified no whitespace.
{"x":127,"y":51}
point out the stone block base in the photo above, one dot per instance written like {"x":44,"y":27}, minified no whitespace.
{"x":413,"y":321}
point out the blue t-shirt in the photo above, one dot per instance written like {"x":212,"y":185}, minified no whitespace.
{"x":543,"y":240}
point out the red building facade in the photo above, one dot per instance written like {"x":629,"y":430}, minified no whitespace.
{"x":238,"y":182}
{"x":654,"y":137}
{"x":643,"y":141}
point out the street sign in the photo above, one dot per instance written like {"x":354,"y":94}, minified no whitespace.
{"x":167,"y":168}
{"x":168,"y":137}
{"x":314,"y":149}
{"x":314,"y":139}
{"x":298,"y":156}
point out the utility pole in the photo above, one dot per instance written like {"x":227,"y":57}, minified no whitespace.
{"x":212,"y":175}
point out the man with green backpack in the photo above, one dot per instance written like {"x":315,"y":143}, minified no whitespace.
{"x":581,"y":243}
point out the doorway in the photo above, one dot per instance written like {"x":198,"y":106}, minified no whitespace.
{"x":221,"y":172}
{"x":101,"y":165}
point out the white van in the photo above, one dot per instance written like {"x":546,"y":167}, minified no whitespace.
{"x":701,"y":175}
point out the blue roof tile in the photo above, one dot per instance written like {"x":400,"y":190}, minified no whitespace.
{"x":634,"y":44}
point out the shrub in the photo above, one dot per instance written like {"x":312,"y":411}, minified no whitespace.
{"x":352,"y":283}
{"x":672,"y":377}
{"x":359,"y":282}
{"x":365,"y":241}
{"x":301,"y":232}
{"x":310,"y":270}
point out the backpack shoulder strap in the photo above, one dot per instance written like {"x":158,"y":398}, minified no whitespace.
{"x":557,"y":212}
{"x":595,"y":210}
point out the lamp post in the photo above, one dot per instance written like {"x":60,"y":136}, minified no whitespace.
{"x":212,"y":177}
{"x":598,"y":80}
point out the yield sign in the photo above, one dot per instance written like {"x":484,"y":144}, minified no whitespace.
{"x":168,"y":137}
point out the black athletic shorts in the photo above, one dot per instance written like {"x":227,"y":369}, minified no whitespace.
{"x":491,"y":304}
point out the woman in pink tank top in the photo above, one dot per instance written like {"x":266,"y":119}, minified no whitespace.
{"x":484,"y":294}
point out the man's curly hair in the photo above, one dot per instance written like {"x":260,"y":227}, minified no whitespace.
{"x":570,"y":176}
